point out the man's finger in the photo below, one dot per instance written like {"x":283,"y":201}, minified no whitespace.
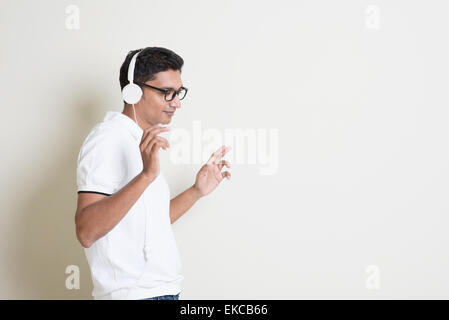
{"x":224,"y":163}
{"x":221,"y":154}
{"x":217,"y":155}
{"x":151,"y":134}
{"x":226,"y":174}
{"x":214,"y":155}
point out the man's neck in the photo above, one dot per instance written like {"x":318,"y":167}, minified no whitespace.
{"x":127,"y":111}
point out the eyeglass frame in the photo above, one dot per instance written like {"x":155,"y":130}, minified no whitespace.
{"x":165,"y":91}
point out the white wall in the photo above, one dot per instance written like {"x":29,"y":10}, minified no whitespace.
{"x":357,"y":90}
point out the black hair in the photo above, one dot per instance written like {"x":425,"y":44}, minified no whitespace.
{"x":150,"y":61}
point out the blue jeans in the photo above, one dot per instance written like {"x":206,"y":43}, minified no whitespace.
{"x":167,"y":297}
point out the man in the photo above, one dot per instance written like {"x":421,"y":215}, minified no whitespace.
{"x":124,"y":212}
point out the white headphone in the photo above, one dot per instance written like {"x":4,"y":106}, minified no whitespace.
{"x":132,"y":92}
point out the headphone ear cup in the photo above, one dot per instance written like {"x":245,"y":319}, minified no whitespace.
{"x":132,"y":93}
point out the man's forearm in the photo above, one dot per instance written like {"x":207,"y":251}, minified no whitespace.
{"x":183,"y":202}
{"x":97,"y":219}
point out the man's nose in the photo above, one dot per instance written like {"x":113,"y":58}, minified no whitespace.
{"x":176,"y":103}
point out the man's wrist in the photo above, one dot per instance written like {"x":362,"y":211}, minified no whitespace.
{"x":148,"y":178}
{"x":196,"y":192}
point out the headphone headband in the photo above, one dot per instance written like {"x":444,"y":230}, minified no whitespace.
{"x":131,"y":67}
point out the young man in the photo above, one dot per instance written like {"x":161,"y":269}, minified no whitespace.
{"x":124,"y":212}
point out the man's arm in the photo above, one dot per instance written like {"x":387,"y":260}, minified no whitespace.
{"x":183,"y":202}
{"x":96,"y":219}
{"x":207,"y":179}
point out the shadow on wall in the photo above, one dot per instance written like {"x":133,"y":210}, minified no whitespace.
{"x":46,"y":243}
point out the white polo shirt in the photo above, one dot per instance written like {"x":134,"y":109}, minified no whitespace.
{"x":138,"y":258}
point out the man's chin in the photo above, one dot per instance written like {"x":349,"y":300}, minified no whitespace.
{"x":166,"y":119}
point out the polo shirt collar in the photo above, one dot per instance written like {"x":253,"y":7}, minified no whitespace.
{"x":125,"y":121}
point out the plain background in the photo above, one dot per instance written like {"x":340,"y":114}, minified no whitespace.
{"x":362,"y":116}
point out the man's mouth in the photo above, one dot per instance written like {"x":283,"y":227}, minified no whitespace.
{"x":170,"y":113}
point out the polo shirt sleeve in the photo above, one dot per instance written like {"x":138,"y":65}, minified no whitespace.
{"x":101,"y":163}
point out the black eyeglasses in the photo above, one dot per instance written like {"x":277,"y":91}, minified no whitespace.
{"x":169,"y":94}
